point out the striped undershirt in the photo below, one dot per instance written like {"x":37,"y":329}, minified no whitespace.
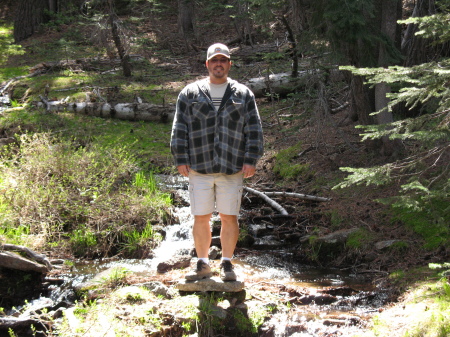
{"x":217,"y":91}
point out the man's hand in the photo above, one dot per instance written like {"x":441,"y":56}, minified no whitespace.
{"x":248,"y":171}
{"x":184,"y":170}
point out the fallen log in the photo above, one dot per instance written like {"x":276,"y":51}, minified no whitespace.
{"x":30,"y":253}
{"x":124,"y":111}
{"x":271,"y":202}
{"x":278,"y":84}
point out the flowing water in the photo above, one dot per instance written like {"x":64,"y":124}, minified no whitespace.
{"x":325,"y":302}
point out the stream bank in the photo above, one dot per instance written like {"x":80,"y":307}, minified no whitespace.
{"x":282,"y":296}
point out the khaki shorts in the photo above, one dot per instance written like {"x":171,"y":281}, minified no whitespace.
{"x":217,"y":191}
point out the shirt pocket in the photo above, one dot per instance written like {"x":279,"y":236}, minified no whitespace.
{"x":200,"y":109}
{"x":235,"y":109}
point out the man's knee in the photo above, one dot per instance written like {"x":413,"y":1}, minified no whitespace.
{"x":228,"y":219}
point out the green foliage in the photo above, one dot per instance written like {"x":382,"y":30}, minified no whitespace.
{"x":284,"y":165}
{"x":424,"y":197}
{"x":55,"y":185}
{"x":137,"y":243}
{"x":359,"y":239}
{"x":350,"y":31}
{"x":243,"y":324}
{"x":82,"y":241}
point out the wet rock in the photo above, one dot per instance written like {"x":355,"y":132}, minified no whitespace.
{"x":215,"y":241}
{"x":214,"y":253}
{"x":210,"y":284}
{"x":268,"y":242}
{"x":257,"y":230}
{"x":339,"y":291}
{"x":317,"y":299}
{"x":334,"y":322}
{"x":99,"y":279}
{"x":36,"y":306}
{"x":15,"y":261}
{"x":158,"y":288}
{"x":328,"y":245}
{"x":176,"y":262}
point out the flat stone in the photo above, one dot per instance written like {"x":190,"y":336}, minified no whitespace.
{"x":210,"y":284}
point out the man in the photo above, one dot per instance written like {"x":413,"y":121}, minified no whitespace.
{"x":216,"y":141}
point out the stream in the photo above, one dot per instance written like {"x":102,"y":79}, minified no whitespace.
{"x":322,"y":301}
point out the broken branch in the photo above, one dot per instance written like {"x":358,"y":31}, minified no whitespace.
{"x":271,"y":202}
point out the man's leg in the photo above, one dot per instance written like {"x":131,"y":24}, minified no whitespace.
{"x":202,"y":240}
{"x":202,"y":235}
{"x":229,"y":234}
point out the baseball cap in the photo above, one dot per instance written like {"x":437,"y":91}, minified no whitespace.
{"x":217,"y":49}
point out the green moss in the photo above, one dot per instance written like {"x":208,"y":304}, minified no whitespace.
{"x":285,"y":164}
{"x":359,"y":239}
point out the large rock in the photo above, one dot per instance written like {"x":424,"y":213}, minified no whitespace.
{"x":15,"y":261}
{"x":210,"y":284}
{"x":176,"y":262}
{"x":100,"y":279}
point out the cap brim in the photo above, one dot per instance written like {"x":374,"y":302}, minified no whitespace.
{"x":227,"y":56}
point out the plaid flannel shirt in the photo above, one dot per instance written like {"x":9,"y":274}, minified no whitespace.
{"x":221,"y":141}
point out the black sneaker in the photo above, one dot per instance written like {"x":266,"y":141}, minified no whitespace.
{"x":226,"y":271}
{"x":202,"y":270}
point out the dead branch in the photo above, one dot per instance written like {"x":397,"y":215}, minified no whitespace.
{"x":271,"y":202}
{"x":297,"y":195}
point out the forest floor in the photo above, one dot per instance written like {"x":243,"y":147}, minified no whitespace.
{"x":325,"y":144}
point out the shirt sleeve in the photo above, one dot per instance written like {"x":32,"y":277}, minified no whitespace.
{"x":254,"y":144}
{"x":179,"y":144}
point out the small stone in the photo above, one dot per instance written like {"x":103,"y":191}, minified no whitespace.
{"x":176,"y":262}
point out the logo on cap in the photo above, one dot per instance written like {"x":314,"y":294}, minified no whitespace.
{"x":217,"y":49}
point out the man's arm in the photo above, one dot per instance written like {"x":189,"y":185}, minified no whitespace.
{"x":179,"y":137}
{"x":254,"y":143}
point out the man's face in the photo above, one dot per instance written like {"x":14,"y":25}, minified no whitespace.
{"x":218,"y":67}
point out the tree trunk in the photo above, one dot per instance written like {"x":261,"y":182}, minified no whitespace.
{"x":242,"y":21}
{"x":293,"y":41}
{"x":186,"y":18}
{"x":123,"y":54}
{"x":53,"y":6}
{"x":414,"y":47}
{"x":28,"y":17}
{"x":390,"y":13}
{"x":360,"y":107}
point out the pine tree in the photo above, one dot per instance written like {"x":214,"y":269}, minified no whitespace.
{"x":423,"y":201}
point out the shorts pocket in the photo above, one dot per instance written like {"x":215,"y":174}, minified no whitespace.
{"x":239,"y":199}
{"x":191,"y":196}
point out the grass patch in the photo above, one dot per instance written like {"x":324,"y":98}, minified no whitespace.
{"x":95,"y":188}
{"x":285,"y":163}
{"x":359,"y":239}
